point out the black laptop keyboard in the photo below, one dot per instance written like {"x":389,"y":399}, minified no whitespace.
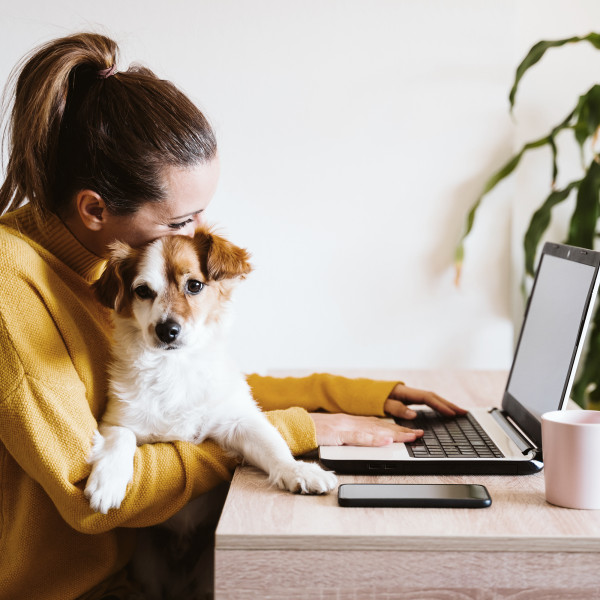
{"x":452,"y":437}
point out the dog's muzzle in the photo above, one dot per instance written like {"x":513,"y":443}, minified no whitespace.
{"x":167,"y":331}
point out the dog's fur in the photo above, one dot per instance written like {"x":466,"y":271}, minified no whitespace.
{"x":170,"y":378}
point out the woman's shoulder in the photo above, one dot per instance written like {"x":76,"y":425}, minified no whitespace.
{"x":17,"y":247}
{"x":29,"y":243}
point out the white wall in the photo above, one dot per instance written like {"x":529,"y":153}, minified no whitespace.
{"x":354,"y":135}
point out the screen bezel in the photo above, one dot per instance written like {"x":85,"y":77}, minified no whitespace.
{"x":529,"y":423}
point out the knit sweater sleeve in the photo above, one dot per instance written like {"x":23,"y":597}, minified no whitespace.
{"x":331,"y":393}
{"x":47,"y":430}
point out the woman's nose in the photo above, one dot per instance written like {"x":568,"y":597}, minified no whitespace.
{"x":190,"y":230}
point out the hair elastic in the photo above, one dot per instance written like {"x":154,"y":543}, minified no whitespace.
{"x":106,"y":73}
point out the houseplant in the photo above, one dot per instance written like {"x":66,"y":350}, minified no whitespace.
{"x":584,"y":124}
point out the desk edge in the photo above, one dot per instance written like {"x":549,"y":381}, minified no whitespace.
{"x":408,"y":544}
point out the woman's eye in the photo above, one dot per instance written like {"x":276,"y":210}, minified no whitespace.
{"x":144,"y":292}
{"x":180,"y":225}
{"x":194,"y":286}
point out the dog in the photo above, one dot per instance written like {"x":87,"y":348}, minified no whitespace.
{"x":170,"y":377}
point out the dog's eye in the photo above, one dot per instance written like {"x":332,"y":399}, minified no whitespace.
{"x":144,"y":292}
{"x":194,"y":286}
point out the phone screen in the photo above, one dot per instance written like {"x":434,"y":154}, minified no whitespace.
{"x":454,"y":495}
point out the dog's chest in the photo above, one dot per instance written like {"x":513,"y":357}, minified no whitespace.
{"x":176,"y":399}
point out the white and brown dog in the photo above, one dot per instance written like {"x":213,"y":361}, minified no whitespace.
{"x":170,"y":378}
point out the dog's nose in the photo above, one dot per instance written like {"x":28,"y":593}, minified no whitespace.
{"x":167,"y":331}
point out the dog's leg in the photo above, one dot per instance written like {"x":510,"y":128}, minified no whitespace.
{"x":261,"y":445}
{"x":111,"y":458}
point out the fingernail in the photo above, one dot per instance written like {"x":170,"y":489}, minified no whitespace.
{"x":410,"y":413}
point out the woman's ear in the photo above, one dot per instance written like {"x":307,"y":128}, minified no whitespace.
{"x":91,"y":209}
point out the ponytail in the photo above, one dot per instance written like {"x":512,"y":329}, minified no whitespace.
{"x":77,"y":123}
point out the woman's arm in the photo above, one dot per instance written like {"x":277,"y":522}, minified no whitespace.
{"x":53,"y":391}
{"x":52,"y":449}
{"x":338,"y":395}
{"x":330,"y":393}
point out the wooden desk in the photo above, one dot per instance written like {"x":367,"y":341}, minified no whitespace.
{"x":275,"y":545}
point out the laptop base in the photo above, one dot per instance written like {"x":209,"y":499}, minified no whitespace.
{"x":435,"y":467}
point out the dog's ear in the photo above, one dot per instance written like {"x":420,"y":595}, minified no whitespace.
{"x":110,"y":288}
{"x":221,"y":259}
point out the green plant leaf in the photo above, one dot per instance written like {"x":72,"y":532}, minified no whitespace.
{"x":582,"y":228}
{"x":501,"y":174}
{"x":537,"y":52}
{"x":552,"y":143}
{"x":539,"y":223}
{"x":588,"y":115}
{"x":564,"y":124}
{"x":584,"y":120}
{"x":490,"y":184}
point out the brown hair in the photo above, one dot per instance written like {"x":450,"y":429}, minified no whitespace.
{"x":72,"y":127}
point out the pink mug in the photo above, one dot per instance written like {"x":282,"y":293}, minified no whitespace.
{"x":571,"y":446}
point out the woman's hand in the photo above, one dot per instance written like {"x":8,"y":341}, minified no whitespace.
{"x":341,"y":429}
{"x":402,"y":395}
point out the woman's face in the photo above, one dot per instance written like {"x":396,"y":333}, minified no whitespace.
{"x":189,"y":192}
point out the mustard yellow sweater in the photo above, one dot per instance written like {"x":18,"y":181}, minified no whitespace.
{"x":54,"y":351}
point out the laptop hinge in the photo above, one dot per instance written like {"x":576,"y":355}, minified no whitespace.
{"x":524,"y":444}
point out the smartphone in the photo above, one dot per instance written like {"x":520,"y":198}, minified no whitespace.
{"x":422,"y":495}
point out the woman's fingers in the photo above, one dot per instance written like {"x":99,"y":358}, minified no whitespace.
{"x":402,"y":395}
{"x":341,"y":429}
{"x":398,"y":409}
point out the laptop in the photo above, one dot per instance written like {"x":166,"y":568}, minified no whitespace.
{"x":507,"y":440}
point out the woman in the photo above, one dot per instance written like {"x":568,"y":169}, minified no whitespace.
{"x":98,"y":155}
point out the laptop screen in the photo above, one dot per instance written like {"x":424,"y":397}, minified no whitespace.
{"x":548,"y":348}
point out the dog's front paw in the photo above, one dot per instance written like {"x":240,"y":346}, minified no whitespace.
{"x":304,"y":478}
{"x":107,"y":483}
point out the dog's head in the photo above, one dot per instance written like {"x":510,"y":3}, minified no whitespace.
{"x":174,"y":288}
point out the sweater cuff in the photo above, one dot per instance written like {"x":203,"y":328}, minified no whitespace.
{"x":296,"y":427}
{"x":370,"y":398}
